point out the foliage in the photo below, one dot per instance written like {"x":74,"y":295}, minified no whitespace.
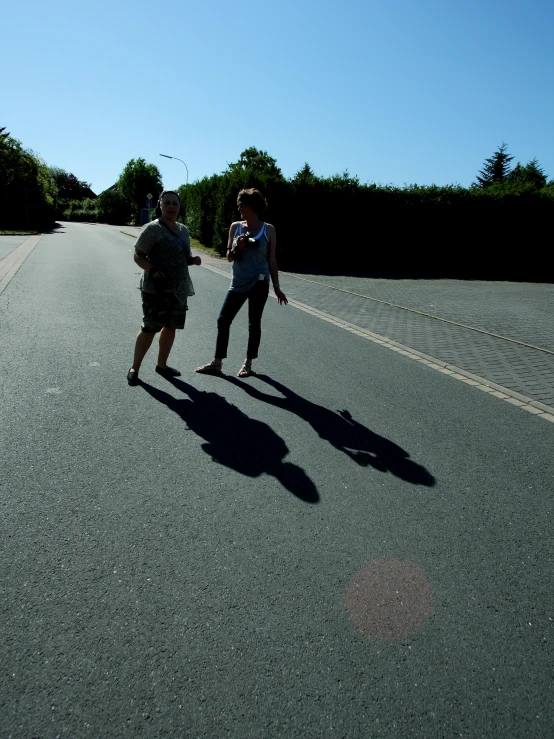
{"x":82,"y":210}
{"x":255,"y":161}
{"x":496,"y":229}
{"x":532,"y":173}
{"x":27,"y":192}
{"x":495,"y":169}
{"x":199,"y":204}
{"x":69,"y":186}
{"x":113,"y":207}
{"x":137,"y":180}
{"x":339,"y":224}
{"x":211,"y":204}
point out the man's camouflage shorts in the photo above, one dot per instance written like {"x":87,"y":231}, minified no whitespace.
{"x":162,"y":309}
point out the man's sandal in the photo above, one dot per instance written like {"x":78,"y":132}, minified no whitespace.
{"x":245,"y":370}
{"x":133,"y":377}
{"x":209,"y":369}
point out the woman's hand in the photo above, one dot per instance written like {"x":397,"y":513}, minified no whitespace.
{"x":240,"y":243}
{"x":156,"y":274}
{"x":197,"y":261}
{"x":281,"y":297}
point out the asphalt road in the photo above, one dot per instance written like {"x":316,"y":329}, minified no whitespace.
{"x":346,"y":545}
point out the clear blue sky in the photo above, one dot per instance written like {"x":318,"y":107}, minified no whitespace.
{"x":394,"y":91}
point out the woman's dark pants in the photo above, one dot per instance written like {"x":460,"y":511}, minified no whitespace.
{"x":257,"y":297}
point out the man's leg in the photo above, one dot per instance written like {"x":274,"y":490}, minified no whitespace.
{"x":142,"y":345}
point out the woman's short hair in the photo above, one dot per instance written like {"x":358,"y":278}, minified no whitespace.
{"x":254,"y":199}
{"x":158,"y":209}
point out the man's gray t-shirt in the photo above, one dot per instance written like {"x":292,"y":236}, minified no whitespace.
{"x":170,"y":253}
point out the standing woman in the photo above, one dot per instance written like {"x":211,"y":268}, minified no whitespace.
{"x":251,"y":248}
{"x":163,"y":252}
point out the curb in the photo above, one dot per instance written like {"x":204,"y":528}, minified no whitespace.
{"x":10,"y":264}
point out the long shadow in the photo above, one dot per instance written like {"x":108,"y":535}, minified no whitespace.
{"x":233,"y":439}
{"x":57,"y":228}
{"x":362,"y":445}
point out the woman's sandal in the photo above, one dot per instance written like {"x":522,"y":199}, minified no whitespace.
{"x":209,"y":369}
{"x":245,"y":370}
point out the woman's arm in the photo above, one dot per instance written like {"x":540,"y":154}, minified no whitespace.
{"x":240,"y":243}
{"x":273,"y":269}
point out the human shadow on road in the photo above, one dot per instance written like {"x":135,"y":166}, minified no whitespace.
{"x":363,"y":446}
{"x":57,"y":228}
{"x":233,"y":439}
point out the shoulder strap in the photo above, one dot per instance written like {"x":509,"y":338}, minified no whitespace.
{"x":173,"y":233}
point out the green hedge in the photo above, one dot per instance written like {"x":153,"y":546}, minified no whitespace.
{"x":339,"y":225}
{"x":27,"y":193}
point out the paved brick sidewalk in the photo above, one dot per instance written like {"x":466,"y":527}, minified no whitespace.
{"x":522,"y":312}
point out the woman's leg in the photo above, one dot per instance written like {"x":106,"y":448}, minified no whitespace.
{"x":257,"y":298}
{"x":231,"y":306}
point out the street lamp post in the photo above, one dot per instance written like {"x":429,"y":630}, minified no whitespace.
{"x":179,"y":160}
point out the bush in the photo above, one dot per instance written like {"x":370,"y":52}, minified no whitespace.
{"x":114,"y":208}
{"x":336,"y":224}
{"x":27,"y":192}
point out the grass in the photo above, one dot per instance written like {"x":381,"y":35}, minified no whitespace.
{"x":195,"y":244}
{"x":206,"y":249}
{"x":7,"y":232}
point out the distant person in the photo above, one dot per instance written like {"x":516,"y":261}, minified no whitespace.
{"x":251,"y":248}
{"x":163,"y":252}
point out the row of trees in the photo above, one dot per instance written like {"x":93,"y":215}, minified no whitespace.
{"x":123,"y":201}
{"x":496,"y":171}
{"x":33,"y":195}
{"x":27,"y":192}
{"x":494,"y":229}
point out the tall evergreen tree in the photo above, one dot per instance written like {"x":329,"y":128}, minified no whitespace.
{"x":305,"y":176}
{"x":495,"y":169}
{"x":531,"y":173}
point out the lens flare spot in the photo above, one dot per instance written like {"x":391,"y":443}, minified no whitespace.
{"x":389,"y":599}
